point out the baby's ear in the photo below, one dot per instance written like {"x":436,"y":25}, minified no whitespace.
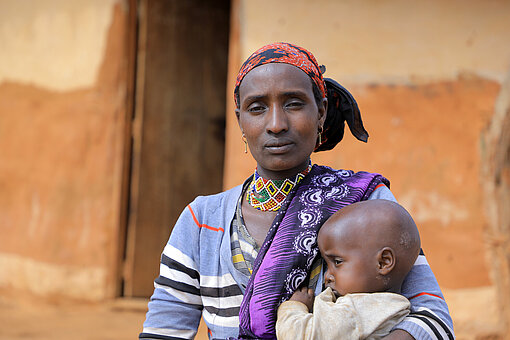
{"x":387,"y":260}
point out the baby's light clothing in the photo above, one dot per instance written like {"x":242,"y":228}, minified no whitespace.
{"x":353,"y":316}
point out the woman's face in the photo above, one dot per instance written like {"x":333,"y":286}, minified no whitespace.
{"x":280,"y":118}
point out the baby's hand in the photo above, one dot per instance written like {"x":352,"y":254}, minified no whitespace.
{"x":304,"y":295}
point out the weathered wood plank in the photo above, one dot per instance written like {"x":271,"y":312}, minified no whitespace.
{"x":178,"y":152}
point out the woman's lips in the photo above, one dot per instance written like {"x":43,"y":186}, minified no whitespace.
{"x":278,"y":146}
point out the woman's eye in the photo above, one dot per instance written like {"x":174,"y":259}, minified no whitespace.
{"x":337,"y":262}
{"x":256,"y":108}
{"x":295,"y":104}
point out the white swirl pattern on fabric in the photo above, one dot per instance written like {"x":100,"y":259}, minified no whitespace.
{"x":312,"y":197}
{"x":325,"y":179}
{"x":305,"y":242}
{"x":344,"y":173}
{"x":294,"y":279}
{"x":337,"y":193}
{"x":309,"y":217}
{"x":310,"y":259}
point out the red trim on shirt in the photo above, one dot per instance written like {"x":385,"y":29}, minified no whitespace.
{"x":420,"y":294}
{"x":203,"y":225}
{"x":380,"y":185}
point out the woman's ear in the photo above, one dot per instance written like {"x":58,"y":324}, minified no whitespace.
{"x":386,"y":260}
{"x":323,"y":111}
{"x":238,"y":115}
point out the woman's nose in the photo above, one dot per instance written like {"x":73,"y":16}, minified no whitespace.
{"x":277,"y":120}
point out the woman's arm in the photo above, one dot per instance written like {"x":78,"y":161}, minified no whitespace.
{"x":398,"y":334}
{"x":429,"y":318}
{"x":175,"y":307}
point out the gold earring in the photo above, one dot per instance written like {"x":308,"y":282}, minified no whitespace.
{"x":245,"y":143}
{"x":320,"y":135}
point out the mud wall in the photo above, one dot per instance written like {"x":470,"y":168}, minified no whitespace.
{"x":62,"y":112}
{"x":426,"y":77}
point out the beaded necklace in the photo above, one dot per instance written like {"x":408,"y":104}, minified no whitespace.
{"x":269,"y":194}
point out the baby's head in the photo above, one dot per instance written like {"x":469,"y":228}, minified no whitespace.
{"x":369,"y":247}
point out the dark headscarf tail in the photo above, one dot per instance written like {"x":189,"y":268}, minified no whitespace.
{"x":342,"y":107}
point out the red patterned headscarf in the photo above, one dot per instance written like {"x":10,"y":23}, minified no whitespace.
{"x":342,"y":107}
{"x":285,"y":53}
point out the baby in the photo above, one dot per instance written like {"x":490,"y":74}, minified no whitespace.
{"x":369,"y":247}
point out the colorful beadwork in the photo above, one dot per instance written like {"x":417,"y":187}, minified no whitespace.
{"x":269,"y":194}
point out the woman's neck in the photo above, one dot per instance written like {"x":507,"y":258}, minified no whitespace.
{"x":282,"y":174}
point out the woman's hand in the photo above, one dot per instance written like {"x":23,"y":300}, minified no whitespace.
{"x":398,"y":334}
{"x":304,"y":295}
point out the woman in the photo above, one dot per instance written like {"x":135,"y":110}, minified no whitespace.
{"x":235,"y":256}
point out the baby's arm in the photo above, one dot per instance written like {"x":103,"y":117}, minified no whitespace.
{"x":329,"y":320}
{"x":305,"y":296}
{"x":294,"y":318}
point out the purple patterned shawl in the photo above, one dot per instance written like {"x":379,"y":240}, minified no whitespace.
{"x":290,"y":247}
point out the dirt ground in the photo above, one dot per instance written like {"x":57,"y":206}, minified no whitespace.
{"x":24,"y":317}
{"x":473,"y":310}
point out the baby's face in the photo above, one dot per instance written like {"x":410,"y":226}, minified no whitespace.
{"x":352,"y":265}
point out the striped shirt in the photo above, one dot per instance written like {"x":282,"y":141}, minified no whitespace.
{"x":198,"y":279}
{"x":245,"y":249}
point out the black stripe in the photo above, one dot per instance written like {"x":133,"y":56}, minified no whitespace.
{"x":177,"y":285}
{"x":221,"y":291}
{"x":421,"y":252}
{"x":438,"y":320}
{"x":427,"y":321}
{"x":171,"y":263}
{"x":225,"y":312}
{"x":157,"y":336}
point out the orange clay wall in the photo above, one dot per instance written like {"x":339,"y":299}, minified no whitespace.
{"x":425,"y":76}
{"x":62,"y":106}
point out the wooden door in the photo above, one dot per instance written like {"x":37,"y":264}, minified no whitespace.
{"x":178,"y":126}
